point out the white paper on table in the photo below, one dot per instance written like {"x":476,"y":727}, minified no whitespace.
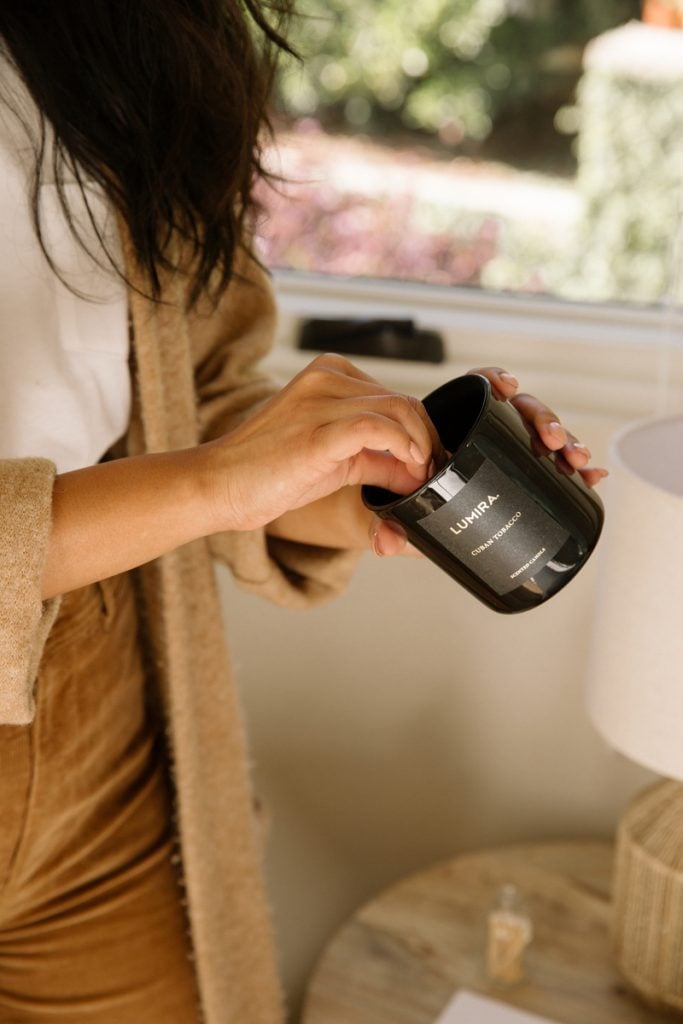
{"x":469,"y":1008}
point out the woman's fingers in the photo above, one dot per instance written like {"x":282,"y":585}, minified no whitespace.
{"x":347,"y":438}
{"x":570,"y":454}
{"x":592,"y":477}
{"x":403,"y":410}
{"x":381,"y":469}
{"x":535,"y":413}
{"x":340,"y":379}
{"x":329,"y":427}
{"x":388,"y":538}
{"x":544,"y":421}
{"x":545,"y":428}
{"x":503,"y":382}
{"x":333,"y":426}
{"x":546,"y":431}
{"x":340,"y":364}
{"x":577,"y":455}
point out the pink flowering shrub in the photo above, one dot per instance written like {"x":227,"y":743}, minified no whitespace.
{"x":318,"y":228}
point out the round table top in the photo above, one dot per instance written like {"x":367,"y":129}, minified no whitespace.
{"x":401,"y":957}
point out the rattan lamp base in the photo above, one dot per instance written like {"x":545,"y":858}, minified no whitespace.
{"x":648,"y":895}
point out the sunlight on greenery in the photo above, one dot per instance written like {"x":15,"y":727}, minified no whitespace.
{"x":445,"y":67}
{"x":462,"y":142}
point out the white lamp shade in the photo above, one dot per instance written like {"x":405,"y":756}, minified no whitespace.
{"x":635,"y":677}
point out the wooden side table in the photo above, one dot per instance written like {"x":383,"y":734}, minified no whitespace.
{"x":402,"y":956}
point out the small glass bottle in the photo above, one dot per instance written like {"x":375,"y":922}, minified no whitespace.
{"x":509,"y":933}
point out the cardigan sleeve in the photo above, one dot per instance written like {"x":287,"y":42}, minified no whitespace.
{"x":25,"y":620}
{"x":227,"y":346}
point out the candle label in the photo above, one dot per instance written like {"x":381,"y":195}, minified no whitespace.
{"x":494,"y":528}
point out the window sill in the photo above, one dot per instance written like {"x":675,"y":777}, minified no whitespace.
{"x":618,"y":361}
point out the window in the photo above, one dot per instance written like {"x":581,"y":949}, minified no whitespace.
{"x":509,"y":145}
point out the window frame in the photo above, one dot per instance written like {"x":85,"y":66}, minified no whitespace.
{"x":620,"y":361}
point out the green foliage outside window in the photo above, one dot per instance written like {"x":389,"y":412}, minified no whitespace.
{"x":454,"y":69}
{"x":631,"y":180}
{"x":445,"y":67}
{"x":630,"y":183}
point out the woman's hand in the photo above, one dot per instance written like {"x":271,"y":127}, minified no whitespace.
{"x":330,"y":427}
{"x":547,"y":434}
{"x":286,"y":466}
{"x":545,"y":427}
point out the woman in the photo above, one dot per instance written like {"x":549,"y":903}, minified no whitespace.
{"x":137,"y":441}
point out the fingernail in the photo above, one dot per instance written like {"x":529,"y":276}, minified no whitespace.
{"x":583,"y":449}
{"x":386,"y":524}
{"x":509,"y":378}
{"x":375,"y":546}
{"x":557,"y":430}
{"x":374,"y":539}
{"x":416,"y":454}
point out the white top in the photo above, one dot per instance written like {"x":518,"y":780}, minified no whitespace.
{"x":64,"y":377}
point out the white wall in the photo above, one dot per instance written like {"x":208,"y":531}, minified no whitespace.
{"x":407,"y":722}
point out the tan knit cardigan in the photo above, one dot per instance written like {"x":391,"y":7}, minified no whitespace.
{"x":193,"y":376}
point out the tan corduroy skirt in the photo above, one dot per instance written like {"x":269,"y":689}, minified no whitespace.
{"x":92,"y":927}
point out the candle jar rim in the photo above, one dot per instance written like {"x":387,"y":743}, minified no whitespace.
{"x":467,"y":381}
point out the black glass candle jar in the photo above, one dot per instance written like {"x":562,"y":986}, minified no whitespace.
{"x":501,"y":517}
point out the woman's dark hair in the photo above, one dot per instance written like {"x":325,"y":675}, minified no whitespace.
{"x":161,"y":102}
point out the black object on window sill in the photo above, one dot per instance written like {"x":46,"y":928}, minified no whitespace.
{"x":383,"y":339}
